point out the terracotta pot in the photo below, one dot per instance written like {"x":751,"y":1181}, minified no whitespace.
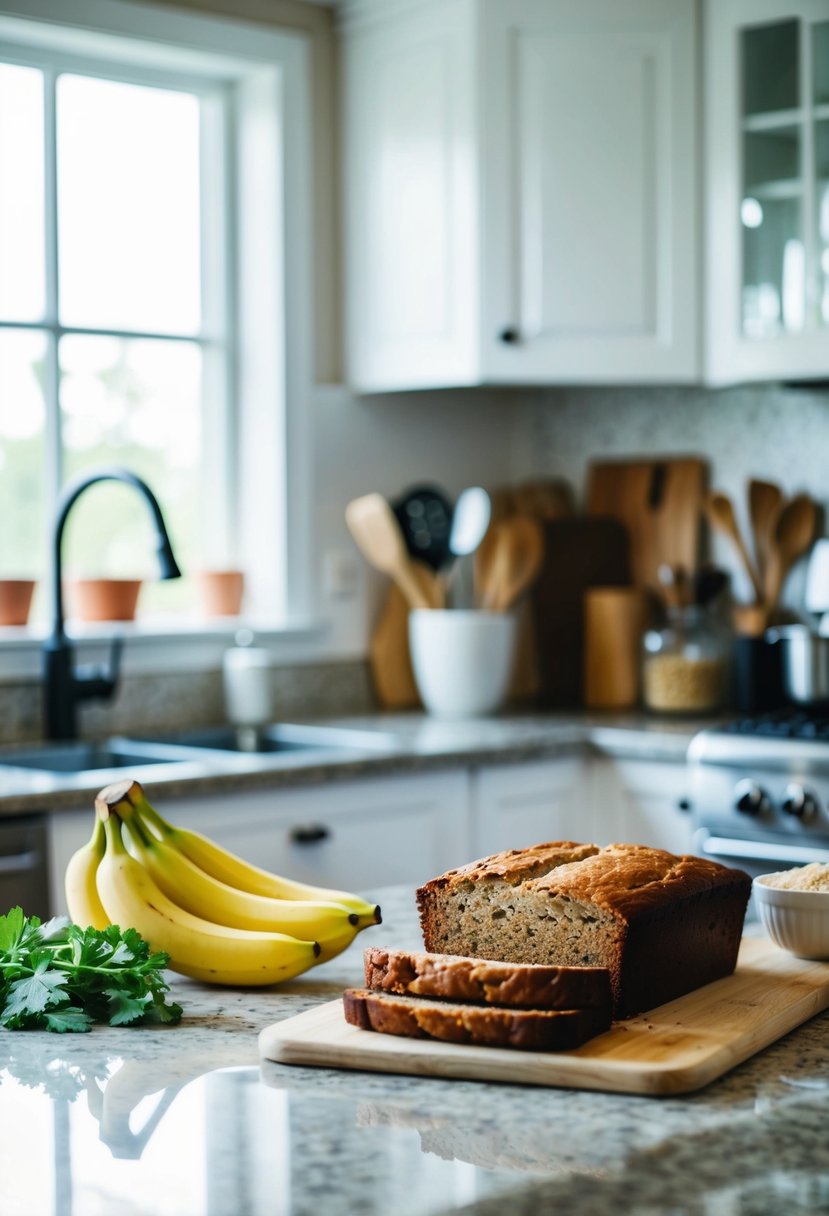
{"x":220,"y":592}
{"x":103,"y":599}
{"x":15,"y":600}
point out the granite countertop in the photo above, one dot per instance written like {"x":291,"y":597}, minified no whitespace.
{"x":186,"y":1120}
{"x":372,"y":745}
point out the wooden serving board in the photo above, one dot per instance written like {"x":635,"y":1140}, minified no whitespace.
{"x":674,"y":1049}
{"x":660,"y":503}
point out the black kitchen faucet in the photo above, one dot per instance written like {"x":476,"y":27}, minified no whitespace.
{"x":64,"y":686}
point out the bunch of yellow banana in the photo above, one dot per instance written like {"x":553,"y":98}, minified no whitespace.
{"x":220,"y":919}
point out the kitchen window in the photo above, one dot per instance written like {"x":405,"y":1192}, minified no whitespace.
{"x":115,"y":334}
{"x":153,"y":220}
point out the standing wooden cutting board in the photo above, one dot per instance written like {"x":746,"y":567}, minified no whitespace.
{"x":660,"y":503}
{"x":674,"y":1049}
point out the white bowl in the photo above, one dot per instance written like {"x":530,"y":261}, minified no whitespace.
{"x":796,"y":920}
{"x":462,"y":660}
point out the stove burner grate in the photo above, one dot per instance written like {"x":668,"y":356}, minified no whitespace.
{"x":782,"y":724}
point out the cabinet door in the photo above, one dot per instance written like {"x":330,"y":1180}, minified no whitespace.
{"x":353,"y":835}
{"x":642,"y":802}
{"x":591,"y":241}
{"x":410,"y":198}
{"x":516,"y":805}
{"x":767,"y":184}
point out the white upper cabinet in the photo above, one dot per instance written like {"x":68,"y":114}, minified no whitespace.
{"x":521,"y":192}
{"x":591,"y":191}
{"x":411,"y":197}
{"x":767,"y":171}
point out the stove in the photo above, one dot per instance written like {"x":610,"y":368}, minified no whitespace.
{"x":759,"y":791}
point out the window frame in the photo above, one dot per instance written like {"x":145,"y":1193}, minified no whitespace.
{"x":269,"y":137}
{"x":216,"y":335}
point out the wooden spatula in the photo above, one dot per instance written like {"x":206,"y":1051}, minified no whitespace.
{"x":508,"y":562}
{"x":765,"y":501}
{"x":371,"y":522}
{"x":720,"y":511}
{"x":793,"y":534}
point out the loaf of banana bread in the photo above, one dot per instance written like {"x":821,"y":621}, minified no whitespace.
{"x":515,"y":985}
{"x":662,"y":924}
{"x":486,"y":1025}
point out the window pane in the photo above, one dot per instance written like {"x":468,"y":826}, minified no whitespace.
{"x":128,"y":206}
{"x":22,"y":421}
{"x":22,"y":265}
{"x":771,"y":67}
{"x":822,"y":213}
{"x":135,"y":403}
{"x":821,"y":63}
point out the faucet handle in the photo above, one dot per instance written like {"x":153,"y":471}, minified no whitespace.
{"x":96,"y":681}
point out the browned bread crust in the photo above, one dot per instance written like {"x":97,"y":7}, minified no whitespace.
{"x":662,"y":924}
{"x":516,"y":985}
{"x":485,"y":1025}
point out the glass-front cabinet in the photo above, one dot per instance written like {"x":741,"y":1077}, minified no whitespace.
{"x":767,"y":187}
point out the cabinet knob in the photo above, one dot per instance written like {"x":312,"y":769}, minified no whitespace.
{"x":684,"y":804}
{"x":310,"y":833}
{"x":510,"y":335}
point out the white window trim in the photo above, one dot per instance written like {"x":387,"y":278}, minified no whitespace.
{"x":271,"y":69}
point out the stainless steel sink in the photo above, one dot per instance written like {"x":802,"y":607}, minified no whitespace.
{"x":281,"y":737}
{"x":82,"y":757}
{"x":196,"y":751}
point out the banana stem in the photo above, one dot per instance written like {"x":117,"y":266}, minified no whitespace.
{"x":148,"y":814}
{"x":114,"y":840}
{"x":136,"y":829}
{"x":98,"y":839}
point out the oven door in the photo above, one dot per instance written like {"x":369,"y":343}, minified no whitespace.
{"x":23,"y":865}
{"x":756,"y":856}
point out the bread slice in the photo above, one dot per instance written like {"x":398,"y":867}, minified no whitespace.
{"x":486,"y":1025}
{"x":515,"y":985}
{"x":662,"y":924}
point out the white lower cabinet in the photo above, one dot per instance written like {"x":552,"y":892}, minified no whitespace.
{"x":641,"y":802}
{"x":407,"y":829}
{"x":349,"y":834}
{"x":515,"y":805}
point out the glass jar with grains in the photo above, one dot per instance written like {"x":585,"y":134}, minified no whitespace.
{"x":685,"y":664}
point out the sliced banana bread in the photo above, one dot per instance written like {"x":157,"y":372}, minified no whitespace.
{"x":486,"y":1025}
{"x":662,"y":924}
{"x":516,"y":985}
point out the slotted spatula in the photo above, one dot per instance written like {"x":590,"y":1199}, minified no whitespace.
{"x":371,"y":522}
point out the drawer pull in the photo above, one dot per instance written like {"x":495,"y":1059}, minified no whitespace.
{"x":20,"y":863}
{"x":311,"y":833}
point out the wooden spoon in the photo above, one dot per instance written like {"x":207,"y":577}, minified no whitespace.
{"x":793,"y":534}
{"x":720,"y":512}
{"x":765,"y":501}
{"x":509,"y":562}
{"x":371,"y":522}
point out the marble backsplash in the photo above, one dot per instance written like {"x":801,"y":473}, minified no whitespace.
{"x":177,"y":700}
{"x":769,"y":431}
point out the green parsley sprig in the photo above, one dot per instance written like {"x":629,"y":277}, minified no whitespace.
{"x":58,"y":976}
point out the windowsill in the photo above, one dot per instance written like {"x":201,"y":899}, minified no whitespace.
{"x":161,"y":644}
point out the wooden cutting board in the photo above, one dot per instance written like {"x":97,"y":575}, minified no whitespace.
{"x":674,"y":1049}
{"x":579,"y":553}
{"x":660,"y":503}
{"x":389,"y":659}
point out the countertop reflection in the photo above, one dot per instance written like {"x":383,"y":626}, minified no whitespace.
{"x":185,"y":1121}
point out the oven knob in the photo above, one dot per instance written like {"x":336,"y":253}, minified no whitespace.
{"x":799,"y":802}
{"x":750,"y":799}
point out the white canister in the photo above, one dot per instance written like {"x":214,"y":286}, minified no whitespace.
{"x":246,"y":674}
{"x":462,"y":660}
